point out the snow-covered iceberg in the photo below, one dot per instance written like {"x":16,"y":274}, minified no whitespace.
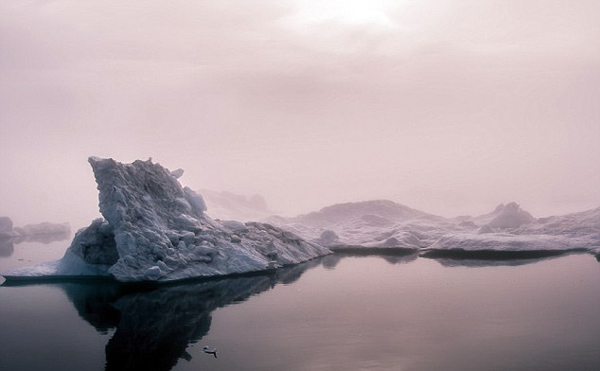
{"x":156,"y":230}
{"x":376,"y":225}
{"x":504,"y":245}
{"x":508,"y":232}
{"x":513,"y":233}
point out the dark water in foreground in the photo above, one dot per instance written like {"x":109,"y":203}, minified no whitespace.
{"x":337,"y":313}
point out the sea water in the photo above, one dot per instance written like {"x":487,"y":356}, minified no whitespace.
{"x":339,"y":312}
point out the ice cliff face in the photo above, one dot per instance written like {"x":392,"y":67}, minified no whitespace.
{"x":156,"y":230}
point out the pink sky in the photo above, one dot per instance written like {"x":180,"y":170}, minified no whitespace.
{"x":449,"y":106}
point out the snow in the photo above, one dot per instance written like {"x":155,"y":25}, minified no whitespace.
{"x":227,"y":205}
{"x":507,"y":232}
{"x":367,"y":224}
{"x":156,"y":230}
{"x":508,"y":242}
{"x":43,"y":228}
{"x":510,"y":216}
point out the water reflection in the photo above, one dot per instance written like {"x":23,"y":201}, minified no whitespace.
{"x":392,"y":257}
{"x":418,"y":306}
{"x":482,"y":261}
{"x":155,"y":325}
{"x":46,"y":238}
{"x":7,"y":244}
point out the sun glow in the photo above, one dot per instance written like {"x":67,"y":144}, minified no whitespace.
{"x":349,"y":12}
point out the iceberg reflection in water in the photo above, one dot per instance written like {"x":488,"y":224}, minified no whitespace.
{"x":350,"y":312}
{"x":154,"y":325}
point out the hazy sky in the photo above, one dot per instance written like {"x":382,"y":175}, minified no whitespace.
{"x":449,"y":106}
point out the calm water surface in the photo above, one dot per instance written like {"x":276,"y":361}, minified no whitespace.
{"x":336,"y":313}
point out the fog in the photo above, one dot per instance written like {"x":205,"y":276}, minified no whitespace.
{"x":448,"y":106}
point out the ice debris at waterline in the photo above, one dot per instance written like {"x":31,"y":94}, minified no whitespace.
{"x":156,"y":230}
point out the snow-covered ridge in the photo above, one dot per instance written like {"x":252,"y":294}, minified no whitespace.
{"x":227,"y":205}
{"x":507,"y":232}
{"x":156,"y":230}
{"x":7,"y":230}
{"x":367,"y":224}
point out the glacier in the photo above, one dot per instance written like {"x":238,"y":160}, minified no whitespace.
{"x":156,"y":230}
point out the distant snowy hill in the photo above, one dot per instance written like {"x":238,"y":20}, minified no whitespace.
{"x":505,"y":216}
{"x":230,"y":206}
{"x":376,"y":213}
{"x":377,"y":223}
{"x":507,"y":230}
{"x":45,"y":233}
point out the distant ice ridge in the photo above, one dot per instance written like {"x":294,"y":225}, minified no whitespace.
{"x":156,"y":230}
{"x":367,"y":224}
{"x":508,"y":231}
{"x":7,"y":230}
{"x":227,"y":205}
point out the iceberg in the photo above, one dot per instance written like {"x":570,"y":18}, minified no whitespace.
{"x":156,"y":230}
{"x":377,"y":225}
{"x":505,"y":245}
{"x":42,"y":232}
{"x":510,"y":216}
{"x":44,"y":228}
{"x":508,"y":232}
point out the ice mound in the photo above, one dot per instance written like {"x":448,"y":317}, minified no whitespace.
{"x":507,"y":232}
{"x":156,"y":230}
{"x":514,"y":233}
{"x":510,"y":216}
{"x":505,"y":242}
{"x":376,"y":212}
{"x":377,"y":224}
